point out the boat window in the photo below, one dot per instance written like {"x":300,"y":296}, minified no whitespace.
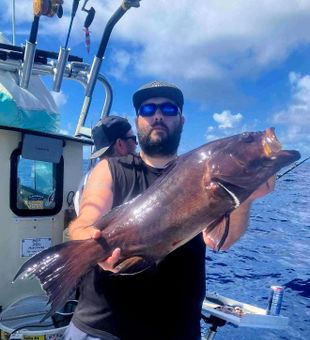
{"x":36,"y":186}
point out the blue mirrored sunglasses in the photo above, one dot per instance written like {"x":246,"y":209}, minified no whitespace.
{"x":167,"y":109}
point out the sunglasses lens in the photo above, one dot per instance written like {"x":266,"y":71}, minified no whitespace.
{"x":169,"y":109}
{"x":147,"y":110}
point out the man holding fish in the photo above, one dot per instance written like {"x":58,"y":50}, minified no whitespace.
{"x":162,"y":302}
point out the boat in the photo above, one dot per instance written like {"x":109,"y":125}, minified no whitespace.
{"x":41,"y":169}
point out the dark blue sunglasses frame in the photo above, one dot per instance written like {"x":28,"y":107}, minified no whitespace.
{"x":167,"y":109}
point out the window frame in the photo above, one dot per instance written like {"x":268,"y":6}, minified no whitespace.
{"x":59,"y":178}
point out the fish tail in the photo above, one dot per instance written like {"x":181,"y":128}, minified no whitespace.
{"x":60,"y":269}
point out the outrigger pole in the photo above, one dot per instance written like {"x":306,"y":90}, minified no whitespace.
{"x":95,"y":68}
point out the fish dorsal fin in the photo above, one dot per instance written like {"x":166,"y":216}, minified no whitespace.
{"x":133,"y":265}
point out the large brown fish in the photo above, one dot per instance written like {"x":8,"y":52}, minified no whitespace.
{"x":198,"y":190}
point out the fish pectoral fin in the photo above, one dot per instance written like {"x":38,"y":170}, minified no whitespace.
{"x":217,"y":232}
{"x":133,"y":265}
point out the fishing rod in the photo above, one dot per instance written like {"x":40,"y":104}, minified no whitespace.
{"x":13,"y":23}
{"x":293,"y":167}
{"x":75,"y":5}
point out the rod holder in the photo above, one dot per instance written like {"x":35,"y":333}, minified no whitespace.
{"x":60,"y":68}
{"x":84,"y":131}
{"x":25,"y":72}
{"x":92,"y":77}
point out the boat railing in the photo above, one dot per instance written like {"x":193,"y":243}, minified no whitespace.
{"x":26,"y":62}
{"x":76,"y":71}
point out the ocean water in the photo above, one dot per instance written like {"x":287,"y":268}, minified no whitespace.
{"x":274,"y":251}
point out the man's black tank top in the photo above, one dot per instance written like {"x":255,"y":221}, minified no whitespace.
{"x":161,"y":303}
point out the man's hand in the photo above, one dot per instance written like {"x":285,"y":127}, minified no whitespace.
{"x":109,"y":263}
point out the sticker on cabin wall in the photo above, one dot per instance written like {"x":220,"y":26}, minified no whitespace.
{"x":4,"y":335}
{"x":32,"y":246}
{"x":55,"y":336}
{"x":35,"y":202}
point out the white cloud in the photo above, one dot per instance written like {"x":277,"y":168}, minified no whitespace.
{"x":122,"y":60}
{"x":228,"y":124}
{"x":67,"y":130}
{"x":60,"y":98}
{"x":204,"y":46}
{"x":64,"y":132}
{"x":226,"y":119}
{"x":295,"y":118}
{"x":211,"y":44}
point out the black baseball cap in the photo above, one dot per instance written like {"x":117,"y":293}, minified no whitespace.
{"x":106,"y":132}
{"x":158,"y":88}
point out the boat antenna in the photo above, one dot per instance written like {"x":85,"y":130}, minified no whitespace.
{"x":293,"y":167}
{"x":13,"y":22}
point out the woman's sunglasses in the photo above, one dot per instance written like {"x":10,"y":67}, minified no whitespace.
{"x":167,"y":109}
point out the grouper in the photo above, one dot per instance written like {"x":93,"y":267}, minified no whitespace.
{"x":195,"y":193}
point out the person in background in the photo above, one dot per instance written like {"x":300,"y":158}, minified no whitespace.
{"x":164,"y":301}
{"x":112,"y":136}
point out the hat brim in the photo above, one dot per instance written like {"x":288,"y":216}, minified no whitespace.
{"x":100,"y":152}
{"x":171,"y":93}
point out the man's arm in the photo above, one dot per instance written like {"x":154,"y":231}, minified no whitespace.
{"x":239,"y":219}
{"x":96,"y":201}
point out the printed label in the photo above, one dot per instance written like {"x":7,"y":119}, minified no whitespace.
{"x":4,"y":335}
{"x":32,"y":246}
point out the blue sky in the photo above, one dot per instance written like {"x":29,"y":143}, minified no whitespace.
{"x":242,"y":65}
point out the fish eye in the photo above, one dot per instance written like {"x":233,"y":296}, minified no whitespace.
{"x":247,"y":138}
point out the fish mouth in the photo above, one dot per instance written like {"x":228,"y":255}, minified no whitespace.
{"x":272,"y":148}
{"x":270,"y":143}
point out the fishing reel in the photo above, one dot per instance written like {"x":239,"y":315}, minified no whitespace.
{"x":48,"y":8}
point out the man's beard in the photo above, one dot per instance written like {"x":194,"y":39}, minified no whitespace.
{"x":166,"y":145}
